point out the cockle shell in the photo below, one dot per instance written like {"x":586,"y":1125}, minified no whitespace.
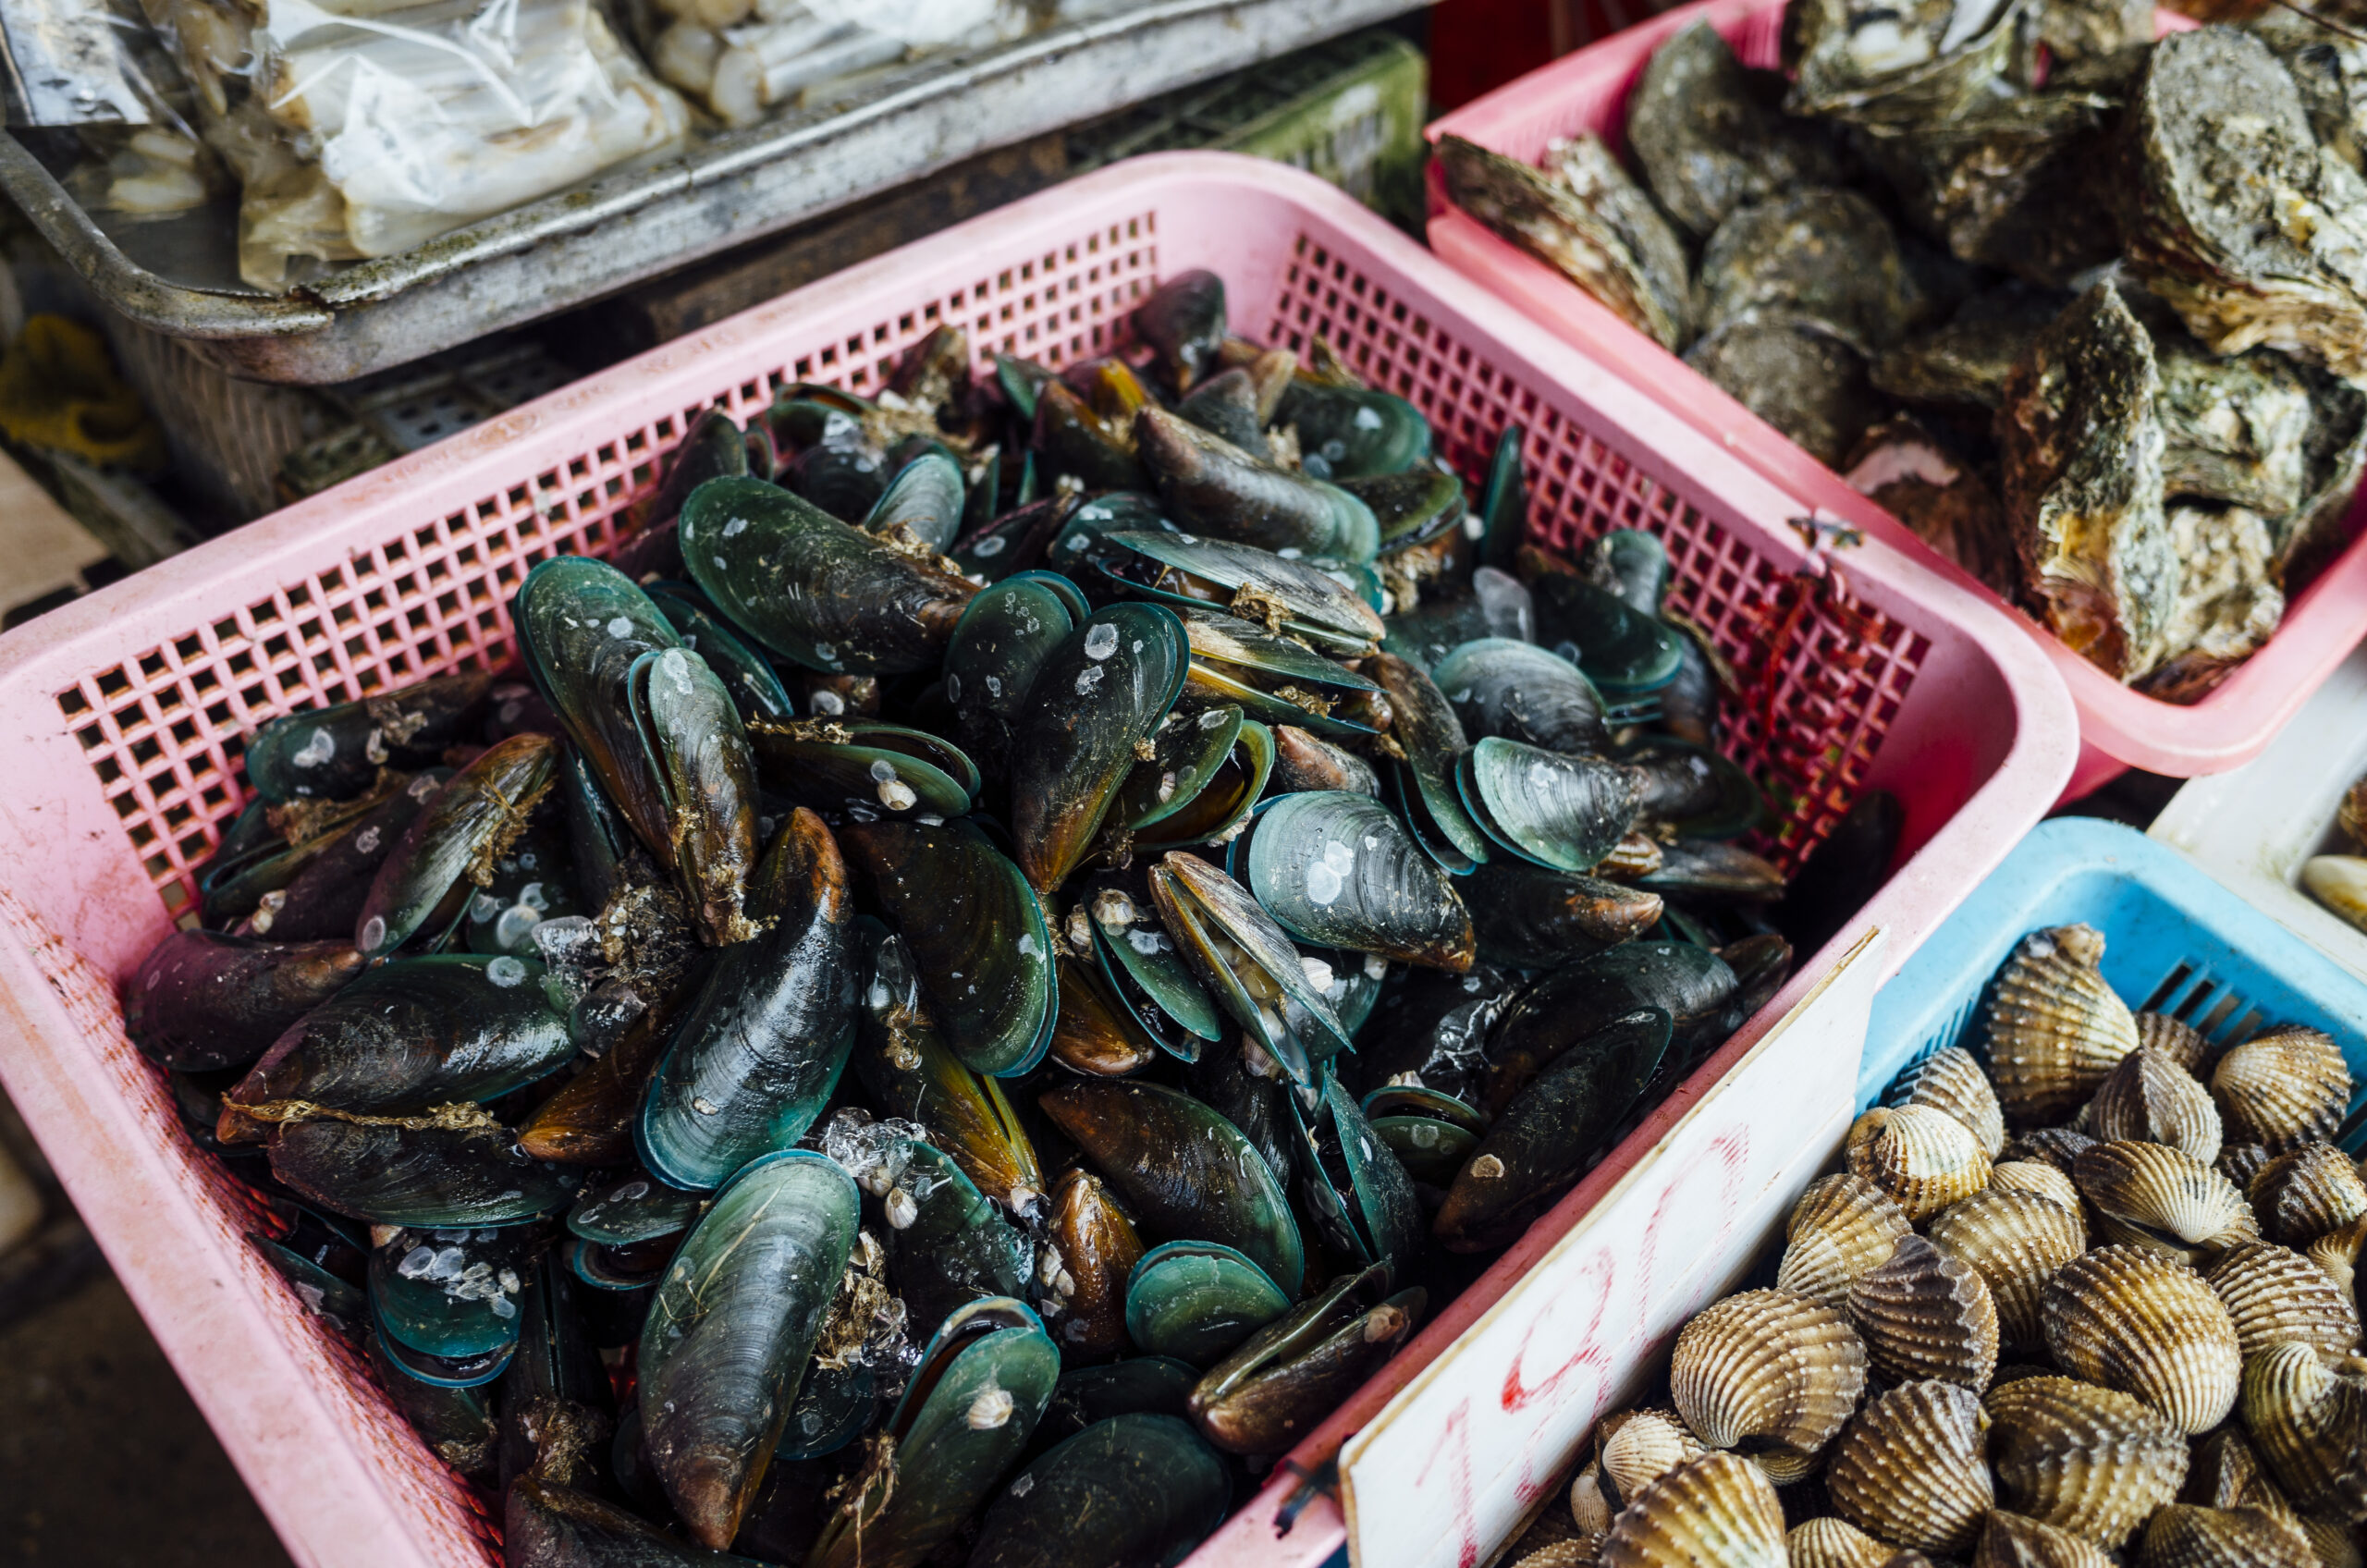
{"x":1925,"y":1314}
{"x":2175,"y":1038}
{"x":2240,"y":1162}
{"x":1842,"y":1227}
{"x":1832,"y":1542}
{"x":2306,"y":1192}
{"x":2183,"y":1536}
{"x":2330,"y":1541}
{"x":1768,"y":1364}
{"x":1910,"y":1468}
{"x":1951,"y":1081}
{"x":2056,"y":1029}
{"x":2225,"y":1472}
{"x":1925,"y":1160}
{"x":1639,"y":1448}
{"x":2275,"y":1296}
{"x":2283,"y":1088}
{"x":2150,"y":1098}
{"x":2336,"y":1252}
{"x":1583,"y":1552}
{"x":2014,"y":1240}
{"x":2137,"y":1321}
{"x":2010,"y":1540}
{"x":1589,"y":1502}
{"x":2039,"y":1181}
{"x":2151,"y":1195}
{"x":2058,"y":1147}
{"x":2089,"y":1460}
{"x":1717,"y":1510}
{"x":2309,"y":1425}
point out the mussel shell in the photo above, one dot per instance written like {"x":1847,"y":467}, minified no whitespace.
{"x":1518,"y":692}
{"x":1148,"y":1385}
{"x":925,"y":496}
{"x":331,"y":753}
{"x":430,"y":1177}
{"x":336,"y":1302}
{"x":976,"y":934}
{"x":1843,"y":873}
{"x":1134,"y":1491}
{"x":1693,"y":985}
{"x":1694,"y":792}
{"x":706,"y":782}
{"x":469,"y":1371}
{"x":1562,"y":812}
{"x":324,"y":899}
{"x":1497,"y":606}
{"x":1711,"y":871}
{"x":813,"y":589}
{"x":1217,"y":814}
{"x":1001,"y":640}
{"x":636,"y":1209}
{"x":1413,"y":508}
{"x":947,"y":1243}
{"x":1248,"y":965}
{"x":582,"y":626}
{"x":1536,"y":917}
{"x":753,"y":685}
{"x":1310,"y":603}
{"x":1225,"y":405}
{"x":1625,"y":654}
{"x":731,"y":1330}
{"x":1339,"y":870}
{"x":1195,"y":1300}
{"x":1354,"y":431}
{"x":865,"y":766}
{"x":1096,"y":1249}
{"x":760,"y":1049}
{"x":1537,"y":1145}
{"x":1433,"y":741}
{"x":1291,"y":1374}
{"x":1216,"y":489}
{"x":1187,"y":1171}
{"x":1431,"y":1147}
{"x":201,"y":1000}
{"x":453,"y":1294}
{"x":462,"y":827}
{"x":418,"y":1033}
{"x":1302,"y":761}
{"x":1142,"y":966}
{"x":1184,"y":321}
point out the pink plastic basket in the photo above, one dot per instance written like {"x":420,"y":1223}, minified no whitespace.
{"x":123,"y":716}
{"x":2119,"y":729}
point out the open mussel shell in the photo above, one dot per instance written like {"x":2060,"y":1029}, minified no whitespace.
{"x":1911,"y":1468}
{"x":1097,"y":1031}
{"x":1188,"y":751}
{"x":813,"y":589}
{"x":1133,"y":1488}
{"x":1185,"y":1169}
{"x":332,"y":754}
{"x":1099,"y":691}
{"x":582,"y":625}
{"x":201,"y":1000}
{"x":2087,"y":1459}
{"x":1339,"y":870}
{"x":2133,"y":1320}
{"x":1215,"y":489}
{"x":1950,"y":1080}
{"x":1091,"y":1253}
{"x":1285,"y":596}
{"x":1293,"y":1372}
{"x":1842,"y":1227}
{"x":733,"y":1327}
{"x":2150,"y":1097}
{"x":1142,"y":964}
{"x":2056,"y":1029}
{"x":1538,"y":1145}
{"x":761,"y":1048}
{"x":1247,"y":963}
{"x":1303,"y":761}
{"x":1432,"y":741}
{"x":1562,"y":812}
{"x":1924,"y":1159}
{"x":1432,"y":1135}
{"x":1719,"y":1509}
{"x":2151,"y":1195}
{"x":1195,"y":1300}
{"x":422,"y":884}
{"x":863,"y":766}
{"x":430,"y":1176}
{"x":1516,"y":691}
{"x":2282,"y":1089}
{"x":975,"y":932}
{"x":1925,"y":1314}
{"x":1226,"y":793}
{"x":2016,"y":1240}
{"x":964,"y":1421}
{"x":416,"y":1033}
{"x":947,"y":1241}
{"x":1359,"y":1196}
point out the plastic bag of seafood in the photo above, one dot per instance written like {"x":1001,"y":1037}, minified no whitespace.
{"x":2076,"y":1287}
{"x":360,"y":130}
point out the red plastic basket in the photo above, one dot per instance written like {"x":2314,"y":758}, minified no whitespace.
{"x":2119,"y":729}
{"x":122,"y":718}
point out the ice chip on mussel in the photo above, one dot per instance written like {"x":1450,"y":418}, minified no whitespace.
{"x":733,"y":1324}
{"x":1339,"y":870}
{"x":1295,"y":1370}
{"x":1137,"y":1487}
{"x":1247,"y":963}
{"x":1794,"y":374}
{"x":201,"y":999}
{"x":335,"y":752}
{"x":1186,"y":1171}
{"x":947,"y":1242}
{"x":816,"y":590}
{"x":449,"y":847}
{"x":469,"y":1172}
{"x":1710,"y":138}
{"x":1196,"y":1301}
{"x":1617,"y":250}
{"x":963,"y":1423}
{"x":747,"y":676}
{"x":760,"y":1049}
{"x":1001,"y":640}
{"x":1766,"y":1366}
{"x":1537,"y":1146}
{"x":453,"y":1295}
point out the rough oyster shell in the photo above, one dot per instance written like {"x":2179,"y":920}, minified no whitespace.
{"x":2305,"y":1192}
{"x":2150,"y":1098}
{"x":1767,"y":1364}
{"x":1914,"y":476}
{"x":1709,"y":140}
{"x":2175,"y":1038}
{"x":2087,"y":1459}
{"x":2153,"y":1196}
{"x":2330,"y":72}
{"x":1775,"y":261}
{"x":1719,"y":1509}
{"x":1926,"y":1314}
{"x":2082,"y":452}
{"x":2010,"y":1540}
{"x":2227,"y":603}
{"x":1842,"y":1227}
{"x":1593,"y":174}
{"x":2183,"y":1536}
{"x":2234,"y":429}
{"x":2074,"y":30}
{"x":1639,"y":1448}
{"x":1911,"y":1468}
{"x":1833,"y":1542}
{"x":1963,"y":365}
{"x":2282,"y":1089}
{"x":2016,"y":1240}
{"x":1797,"y":377}
{"x":1925,"y":1160}
{"x":2275,"y":1296}
{"x":1874,"y":64}
{"x":1950,"y":1080}
{"x":2309,"y":1425}
{"x":2039,"y":1181}
{"x":2056,"y":1029}
{"x":2136,"y":1320}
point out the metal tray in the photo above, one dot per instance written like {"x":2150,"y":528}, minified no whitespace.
{"x":609,"y":233}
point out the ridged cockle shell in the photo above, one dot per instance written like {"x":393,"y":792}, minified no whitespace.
{"x":2039,"y":1179}
{"x":1640,"y":1446}
{"x":2148,"y":1098}
{"x":2175,"y":1038}
{"x":2089,"y":1460}
{"x":1950,"y":1080}
{"x":1767,"y":1364}
{"x":2011,"y":1540}
{"x":2283,"y":1088}
{"x":2309,"y":1425}
{"x":1911,"y":1468}
{"x":2151,"y":1195}
{"x":2056,"y":1029}
{"x":1925,"y":1160}
{"x":2139,"y":1321}
{"x":1926,"y":1314}
{"x":2014,"y":1240}
{"x":2183,"y":1536}
{"x":1842,"y":1227}
{"x":2275,"y":1296}
{"x":1717,"y":1510}
{"x":2306,"y":1192}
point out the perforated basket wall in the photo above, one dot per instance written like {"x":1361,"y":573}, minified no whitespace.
{"x":125,"y":713}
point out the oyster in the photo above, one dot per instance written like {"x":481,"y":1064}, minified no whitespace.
{"x":2014,"y":1240}
{"x":2275,"y":1296}
{"x":2133,"y":1320}
{"x":2056,"y":1029}
{"x":2234,"y":429}
{"x":1874,"y":64}
{"x":1925,"y":1160}
{"x":1709,"y":136}
{"x":1963,"y":365}
{"x":2283,"y":1088}
{"x":1797,"y":377}
{"x":1842,"y":1227}
{"x":2227,"y":603}
{"x":1777,"y":262}
{"x":2075,"y":30}
{"x":2089,"y":1460}
{"x":2150,"y":1098}
{"x":1917,"y":478}
{"x":2082,"y":449}
{"x":1767,"y":1364}
{"x":1925,"y":1314}
{"x":1911,"y":1468}
{"x":1719,"y":1509}
{"x":2330,"y":69}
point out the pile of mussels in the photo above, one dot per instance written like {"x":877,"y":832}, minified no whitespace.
{"x":2085,"y":311}
{"x":2096,"y":1304}
{"x":1219,"y":964}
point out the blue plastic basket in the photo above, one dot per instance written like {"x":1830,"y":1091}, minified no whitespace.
{"x":2174,"y":941}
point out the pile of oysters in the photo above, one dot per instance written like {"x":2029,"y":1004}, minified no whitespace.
{"x":2094,"y":1304}
{"x":2085,"y":311}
